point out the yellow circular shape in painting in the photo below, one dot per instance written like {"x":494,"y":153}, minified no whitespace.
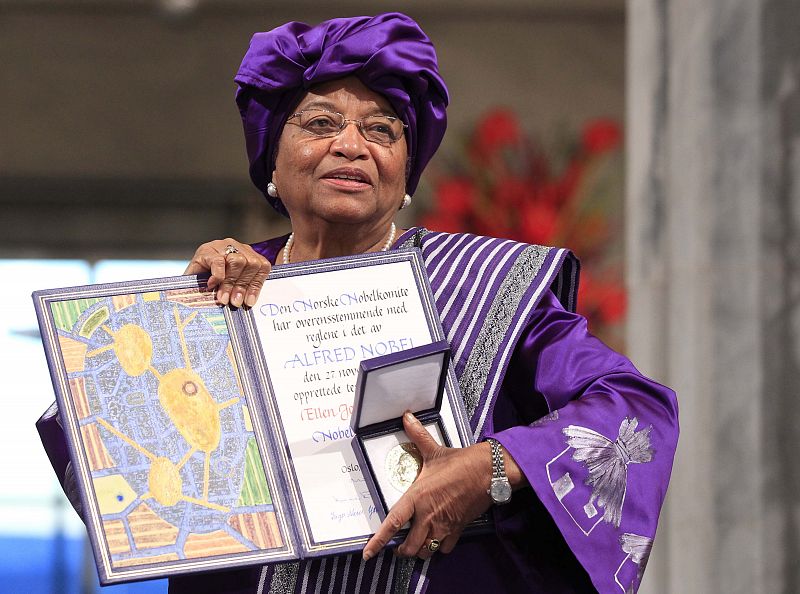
{"x":191,"y":408}
{"x":134,"y":349}
{"x":165,"y":482}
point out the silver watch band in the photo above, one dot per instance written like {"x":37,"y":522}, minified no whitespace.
{"x":500,"y":487}
{"x":498,"y":462}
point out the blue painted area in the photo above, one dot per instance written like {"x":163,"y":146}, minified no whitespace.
{"x":57,"y":566}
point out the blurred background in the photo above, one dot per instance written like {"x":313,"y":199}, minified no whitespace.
{"x":659,"y":139}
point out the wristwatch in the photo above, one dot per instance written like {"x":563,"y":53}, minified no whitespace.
{"x":500,"y":488}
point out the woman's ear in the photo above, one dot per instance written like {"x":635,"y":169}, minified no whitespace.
{"x":275,"y":162}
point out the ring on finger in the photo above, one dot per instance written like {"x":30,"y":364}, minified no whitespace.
{"x":433,"y":545}
{"x":229,"y":249}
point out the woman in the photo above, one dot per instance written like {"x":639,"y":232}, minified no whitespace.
{"x":340,"y":120}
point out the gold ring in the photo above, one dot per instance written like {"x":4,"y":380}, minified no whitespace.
{"x":229,"y":249}
{"x":434,"y":545}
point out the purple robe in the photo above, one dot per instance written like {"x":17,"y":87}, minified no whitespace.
{"x":594,"y":438}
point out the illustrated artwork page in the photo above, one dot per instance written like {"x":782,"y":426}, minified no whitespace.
{"x":165,"y":426}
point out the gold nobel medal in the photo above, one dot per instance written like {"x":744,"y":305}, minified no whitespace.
{"x":403,"y":463}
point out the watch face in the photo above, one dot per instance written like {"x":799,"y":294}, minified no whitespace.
{"x":500,"y":491}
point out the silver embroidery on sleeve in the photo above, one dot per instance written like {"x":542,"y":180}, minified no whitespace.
{"x":563,"y":486}
{"x":607,"y":462}
{"x":548,"y":418}
{"x":630,"y":571}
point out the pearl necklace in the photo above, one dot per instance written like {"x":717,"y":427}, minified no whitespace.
{"x":287,"y":249}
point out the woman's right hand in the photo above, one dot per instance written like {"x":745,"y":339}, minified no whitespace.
{"x":238,"y":276}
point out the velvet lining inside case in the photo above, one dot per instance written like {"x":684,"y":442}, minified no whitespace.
{"x":388,"y":386}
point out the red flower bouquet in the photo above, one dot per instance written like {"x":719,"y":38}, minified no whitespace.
{"x":508,"y":185}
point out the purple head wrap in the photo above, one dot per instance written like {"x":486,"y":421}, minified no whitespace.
{"x":389,"y":53}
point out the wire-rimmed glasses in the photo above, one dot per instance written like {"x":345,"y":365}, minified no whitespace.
{"x":380,"y":129}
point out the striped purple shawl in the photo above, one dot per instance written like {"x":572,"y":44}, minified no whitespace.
{"x":485,"y":291}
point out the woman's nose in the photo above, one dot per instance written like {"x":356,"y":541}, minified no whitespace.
{"x":349,"y":143}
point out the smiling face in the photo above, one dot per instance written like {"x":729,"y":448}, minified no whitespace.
{"x":344,"y":180}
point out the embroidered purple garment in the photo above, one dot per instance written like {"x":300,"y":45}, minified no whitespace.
{"x":594,"y":438}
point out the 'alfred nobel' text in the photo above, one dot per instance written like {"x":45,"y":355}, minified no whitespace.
{"x":346,"y":353}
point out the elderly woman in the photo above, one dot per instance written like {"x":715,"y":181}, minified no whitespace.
{"x":574,"y":445}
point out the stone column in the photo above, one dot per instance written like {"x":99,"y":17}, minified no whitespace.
{"x":713,"y":220}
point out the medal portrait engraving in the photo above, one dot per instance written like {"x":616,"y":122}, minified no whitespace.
{"x":403,"y":464}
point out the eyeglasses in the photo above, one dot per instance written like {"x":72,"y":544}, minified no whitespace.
{"x":380,"y":129}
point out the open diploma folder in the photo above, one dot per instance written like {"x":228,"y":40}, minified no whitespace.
{"x":205,"y":438}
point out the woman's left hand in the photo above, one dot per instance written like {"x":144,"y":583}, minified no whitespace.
{"x":450,"y":492}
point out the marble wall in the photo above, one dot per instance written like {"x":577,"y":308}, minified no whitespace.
{"x":713,"y":207}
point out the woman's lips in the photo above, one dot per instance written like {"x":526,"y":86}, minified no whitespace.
{"x":348,"y":178}
{"x":346,"y":184}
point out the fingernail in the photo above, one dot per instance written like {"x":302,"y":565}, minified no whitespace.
{"x":237,"y":299}
{"x":251,"y":300}
{"x":409,"y":417}
{"x":366,"y":556}
{"x":224,"y":297}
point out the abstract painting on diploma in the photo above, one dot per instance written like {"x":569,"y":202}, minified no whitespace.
{"x":161,"y":432}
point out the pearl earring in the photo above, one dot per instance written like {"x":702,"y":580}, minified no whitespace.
{"x":272,"y":190}
{"x":406,"y":202}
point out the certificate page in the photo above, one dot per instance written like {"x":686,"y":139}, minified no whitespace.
{"x":315,"y":329}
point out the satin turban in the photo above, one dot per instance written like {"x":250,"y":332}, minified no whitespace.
{"x":389,"y":53}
